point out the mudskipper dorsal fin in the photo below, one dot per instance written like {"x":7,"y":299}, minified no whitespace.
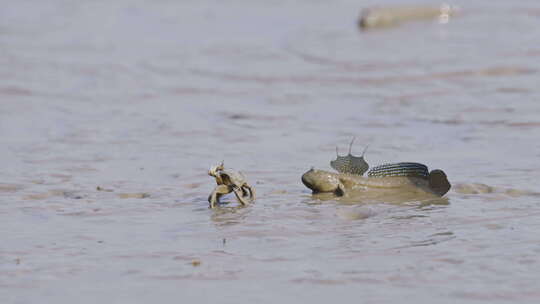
{"x":350,"y":164}
{"x":407,"y":169}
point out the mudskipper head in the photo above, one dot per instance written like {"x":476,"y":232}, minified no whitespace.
{"x":350,"y":164}
{"x":321,"y":181}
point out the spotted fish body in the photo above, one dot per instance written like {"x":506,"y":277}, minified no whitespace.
{"x":350,"y":164}
{"x":400,"y":169}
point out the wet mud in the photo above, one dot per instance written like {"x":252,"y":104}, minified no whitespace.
{"x":111,"y":114}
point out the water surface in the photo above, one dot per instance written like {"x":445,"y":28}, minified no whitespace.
{"x":142,"y":98}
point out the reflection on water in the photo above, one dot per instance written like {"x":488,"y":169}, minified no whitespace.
{"x":406,"y":198}
{"x":142,"y":98}
{"x":229,"y":215}
{"x":431,"y":240}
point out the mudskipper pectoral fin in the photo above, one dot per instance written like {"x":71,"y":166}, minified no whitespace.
{"x":340,"y":190}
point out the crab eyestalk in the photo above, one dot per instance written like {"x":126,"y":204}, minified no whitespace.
{"x":214,"y":170}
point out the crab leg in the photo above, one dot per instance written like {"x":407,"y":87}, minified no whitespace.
{"x":249,"y":191}
{"x":220,"y":190}
{"x":239,"y":192}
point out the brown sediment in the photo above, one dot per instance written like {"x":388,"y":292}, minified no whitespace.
{"x":458,"y":121}
{"x":133,"y":195}
{"x":416,"y":96}
{"x":202,"y":277}
{"x":350,"y":65}
{"x":99,"y":188}
{"x":15,"y":91}
{"x":380,"y":17}
{"x":53,"y":193}
{"x":478,"y":188}
{"x":473,"y":188}
{"x":496,"y":71}
{"x":524,"y":124}
{"x":9,"y":188}
{"x":193,"y":185}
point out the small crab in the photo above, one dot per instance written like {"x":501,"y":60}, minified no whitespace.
{"x":230,"y":181}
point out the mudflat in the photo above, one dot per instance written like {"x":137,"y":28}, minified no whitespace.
{"x":111,"y":113}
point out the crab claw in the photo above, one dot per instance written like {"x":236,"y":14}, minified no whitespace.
{"x":213,"y":171}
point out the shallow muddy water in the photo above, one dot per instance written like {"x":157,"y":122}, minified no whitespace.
{"x":140,"y":99}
